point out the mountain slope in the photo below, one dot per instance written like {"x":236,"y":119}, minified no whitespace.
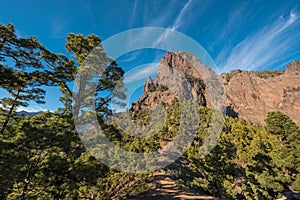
{"x":249,"y":95}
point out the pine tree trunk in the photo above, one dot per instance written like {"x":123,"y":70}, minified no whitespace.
{"x":9,"y":113}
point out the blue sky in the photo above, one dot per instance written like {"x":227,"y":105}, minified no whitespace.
{"x":251,"y":35}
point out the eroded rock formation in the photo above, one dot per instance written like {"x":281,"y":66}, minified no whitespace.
{"x":249,"y":95}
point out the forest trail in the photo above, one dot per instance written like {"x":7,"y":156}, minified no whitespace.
{"x":167,"y":190}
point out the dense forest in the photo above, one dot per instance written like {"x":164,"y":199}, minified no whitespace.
{"x":42,"y":156}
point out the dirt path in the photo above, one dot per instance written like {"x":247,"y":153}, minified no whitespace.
{"x":167,"y":190}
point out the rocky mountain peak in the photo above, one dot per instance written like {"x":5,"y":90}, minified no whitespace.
{"x":182,"y":62}
{"x":293,"y":68}
{"x":176,"y":78}
{"x":149,"y":85}
{"x":249,"y":95}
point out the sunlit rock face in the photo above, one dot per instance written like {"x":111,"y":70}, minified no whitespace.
{"x":249,"y":95}
{"x":253,"y":94}
{"x":178,"y":78}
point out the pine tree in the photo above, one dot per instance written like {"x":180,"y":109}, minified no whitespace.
{"x":99,"y":66}
{"x":19,"y":71}
{"x":286,"y":157}
{"x":25,"y":67}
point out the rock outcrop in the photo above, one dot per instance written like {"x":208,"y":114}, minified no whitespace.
{"x":249,"y":95}
{"x":252,"y":94}
{"x":176,"y":78}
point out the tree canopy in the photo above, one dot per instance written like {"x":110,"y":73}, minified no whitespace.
{"x":42,"y":157}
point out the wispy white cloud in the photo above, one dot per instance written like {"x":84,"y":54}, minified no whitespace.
{"x":177,"y":23}
{"x":133,"y":13}
{"x":262,"y":48}
{"x":178,"y":20}
{"x":131,"y":56}
{"x":178,"y":17}
{"x":142,"y":72}
{"x":239,"y":15}
{"x":31,"y":109}
{"x":155,"y":15}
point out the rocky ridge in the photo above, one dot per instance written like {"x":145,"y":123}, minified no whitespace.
{"x":249,"y":95}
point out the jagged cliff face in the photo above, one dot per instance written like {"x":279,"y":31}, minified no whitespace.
{"x":177,"y":79}
{"x":249,"y":95}
{"x":252,"y":95}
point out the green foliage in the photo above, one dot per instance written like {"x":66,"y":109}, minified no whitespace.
{"x":286,"y":156}
{"x":109,"y":86}
{"x":282,"y":126}
{"x":268,"y":74}
{"x":262,"y":74}
{"x":42,"y":157}
{"x":250,"y":162}
{"x":49,"y":161}
{"x":26,"y":66}
{"x":227,"y":76}
{"x":195,"y":81}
